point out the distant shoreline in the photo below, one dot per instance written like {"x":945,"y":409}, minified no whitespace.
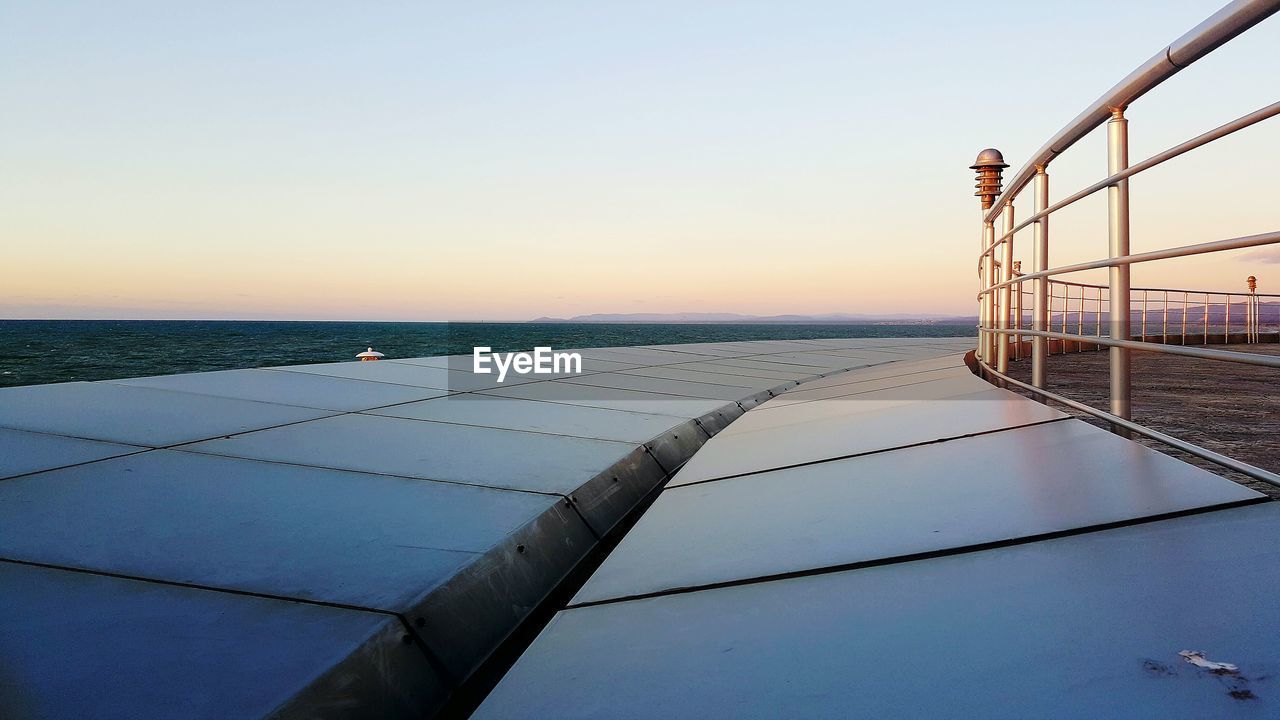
{"x":786,"y":319}
{"x":561,"y":321}
{"x":538,"y":321}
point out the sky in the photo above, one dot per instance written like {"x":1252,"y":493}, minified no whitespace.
{"x":509,"y":160}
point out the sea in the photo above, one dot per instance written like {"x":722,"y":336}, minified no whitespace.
{"x":34,"y":352}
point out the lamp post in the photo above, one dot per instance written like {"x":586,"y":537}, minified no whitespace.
{"x":989,"y":168}
{"x":1251,"y":332}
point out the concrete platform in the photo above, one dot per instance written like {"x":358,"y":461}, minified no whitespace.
{"x":302,"y":541}
{"x":906,"y":540}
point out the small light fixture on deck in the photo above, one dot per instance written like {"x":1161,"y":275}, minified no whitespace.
{"x":1252,"y":311}
{"x":370,"y":354}
{"x":990,"y":166}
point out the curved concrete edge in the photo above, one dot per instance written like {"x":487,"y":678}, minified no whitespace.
{"x":467,"y":620}
{"x":374,"y":677}
{"x":462,"y":621}
{"x":605,"y":502}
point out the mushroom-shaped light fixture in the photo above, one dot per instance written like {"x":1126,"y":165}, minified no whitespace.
{"x":989,"y":167}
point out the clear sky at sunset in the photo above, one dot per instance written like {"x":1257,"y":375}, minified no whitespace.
{"x":507,"y":160}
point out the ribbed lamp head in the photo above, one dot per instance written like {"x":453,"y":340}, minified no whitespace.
{"x":989,"y":167}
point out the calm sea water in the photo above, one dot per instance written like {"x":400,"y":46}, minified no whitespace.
{"x":48,"y":351}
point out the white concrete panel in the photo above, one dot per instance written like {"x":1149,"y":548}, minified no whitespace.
{"x":536,"y":416}
{"x":137,"y":415}
{"x":77,"y":645}
{"x":850,"y":401}
{"x":825,"y":390}
{"x":24,"y":452}
{"x":611,"y":398}
{"x":1052,"y":478}
{"x":830,"y":432}
{"x":430,"y":450}
{"x":301,"y":389}
{"x":674,"y":372}
{"x":747,"y":372}
{"x":664,"y":386}
{"x":325,"y":535}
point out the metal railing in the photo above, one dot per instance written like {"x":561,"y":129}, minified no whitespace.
{"x":1001,"y":291}
{"x":1163,"y":315}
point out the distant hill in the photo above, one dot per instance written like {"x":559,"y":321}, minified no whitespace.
{"x":851,"y":318}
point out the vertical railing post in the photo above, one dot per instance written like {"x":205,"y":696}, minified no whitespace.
{"x":1144,"y":316}
{"x":992,"y":274}
{"x":1248,"y":317}
{"x":982,"y":299}
{"x":1066,"y":307}
{"x":1118,"y":241}
{"x":1254,"y":309}
{"x":988,"y":299}
{"x":1097,"y":319}
{"x":1066,"y":312}
{"x":1017,"y":311}
{"x":1206,"y":320}
{"x":1164,"y":322}
{"x":1186,"y":308}
{"x":1006,"y":292}
{"x":1080,"y":320}
{"x":1040,"y":291}
{"x":1226,"y":324}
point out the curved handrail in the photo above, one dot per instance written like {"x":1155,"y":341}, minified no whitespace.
{"x":1204,"y":139}
{"x":1216,"y":30}
{"x":1002,"y":285}
{"x":1247,"y":241}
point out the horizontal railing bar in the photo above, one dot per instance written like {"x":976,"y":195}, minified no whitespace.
{"x":1088,"y":285}
{"x":1182,"y":251}
{"x":1216,"y":293}
{"x":1271,"y":361}
{"x":1219,"y":132}
{"x":1252,"y":471}
{"x":1222,"y":26}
